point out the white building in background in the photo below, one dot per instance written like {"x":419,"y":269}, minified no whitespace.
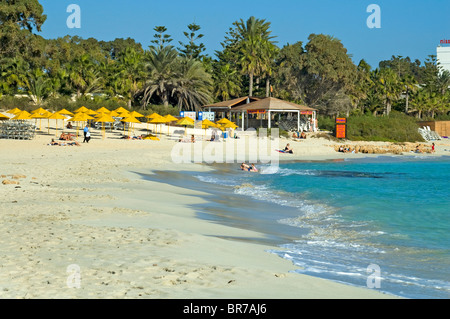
{"x":443,"y":55}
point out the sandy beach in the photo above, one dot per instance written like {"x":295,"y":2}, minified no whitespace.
{"x":81,"y":222}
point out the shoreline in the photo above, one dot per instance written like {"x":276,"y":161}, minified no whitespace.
{"x":88,"y":206}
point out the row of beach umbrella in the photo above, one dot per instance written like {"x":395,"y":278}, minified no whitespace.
{"x":103,"y":115}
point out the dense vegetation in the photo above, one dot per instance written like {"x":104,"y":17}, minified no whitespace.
{"x":71,"y":71}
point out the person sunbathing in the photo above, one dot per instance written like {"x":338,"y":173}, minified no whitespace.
{"x":288,"y":149}
{"x":66,"y":137}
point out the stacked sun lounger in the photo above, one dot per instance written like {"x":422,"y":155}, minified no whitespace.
{"x":17,"y":130}
{"x":428,"y":134}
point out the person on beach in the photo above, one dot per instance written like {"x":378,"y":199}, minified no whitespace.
{"x":244,"y":167}
{"x":66,"y":137}
{"x":69,"y":125}
{"x":288,"y":149}
{"x":249,"y":168}
{"x":418,"y":149}
{"x":432,"y":148}
{"x":192,"y":139}
{"x":86,"y":133}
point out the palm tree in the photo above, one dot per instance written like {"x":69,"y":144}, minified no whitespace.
{"x":443,"y":82}
{"x":84,"y":75}
{"x":131,"y":72}
{"x":390,"y":87}
{"x":192,"y":85}
{"x":12,"y":73}
{"x":161,"y":64}
{"x":226,"y":82}
{"x":255,"y":45}
{"x":37,"y":85}
{"x":410,"y":84}
{"x":268,"y":67}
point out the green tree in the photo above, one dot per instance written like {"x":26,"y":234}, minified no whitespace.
{"x":130,"y":72}
{"x":250,"y":44}
{"x":191,"y":49}
{"x":289,"y":71}
{"x":84,"y":76}
{"x":192,"y":85}
{"x":161,"y":39}
{"x":37,"y":85}
{"x":409,"y":84}
{"x":161,"y":63}
{"x":327,"y":70}
{"x":18,"y":20}
{"x":390,"y":87}
{"x":227,"y":82}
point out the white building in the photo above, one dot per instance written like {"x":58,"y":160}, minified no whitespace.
{"x":443,"y":57}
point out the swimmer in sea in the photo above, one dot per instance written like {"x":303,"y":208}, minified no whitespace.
{"x":249,"y":168}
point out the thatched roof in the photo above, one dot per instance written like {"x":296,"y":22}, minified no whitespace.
{"x":232,"y":103}
{"x":272,"y":103}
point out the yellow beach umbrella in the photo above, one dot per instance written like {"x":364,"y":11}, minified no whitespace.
{"x":80,"y":117}
{"x":130,"y":120}
{"x":22,"y":115}
{"x":39,"y":111}
{"x":4,"y":117}
{"x":152,"y":116}
{"x":224,"y":121}
{"x":124,"y":114}
{"x":228,"y":125}
{"x":121,"y":110}
{"x":65,"y":112}
{"x":136,"y":114}
{"x":103,"y":110}
{"x":57,"y":116}
{"x":207,"y":124}
{"x":170,"y":118}
{"x":41,"y":116}
{"x":159,"y":120}
{"x":186,"y":121}
{"x":114,"y":114}
{"x":91,"y":112}
{"x":82,"y":109}
{"x":14,"y":111}
{"x":105,"y":119}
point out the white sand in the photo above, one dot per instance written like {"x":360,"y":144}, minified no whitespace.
{"x":131,"y":238}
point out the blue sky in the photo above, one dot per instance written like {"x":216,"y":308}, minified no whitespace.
{"x":408,"y":28}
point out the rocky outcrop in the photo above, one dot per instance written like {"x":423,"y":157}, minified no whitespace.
{"x":394,"y":148}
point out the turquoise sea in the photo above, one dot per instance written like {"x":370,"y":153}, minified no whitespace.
{"x":334,"y":219}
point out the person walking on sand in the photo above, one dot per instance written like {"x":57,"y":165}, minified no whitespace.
{"x":87,"y":134}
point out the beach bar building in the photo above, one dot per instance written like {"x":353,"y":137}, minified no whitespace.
{"x":267,"y":113}
{"x":223,"y":109}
